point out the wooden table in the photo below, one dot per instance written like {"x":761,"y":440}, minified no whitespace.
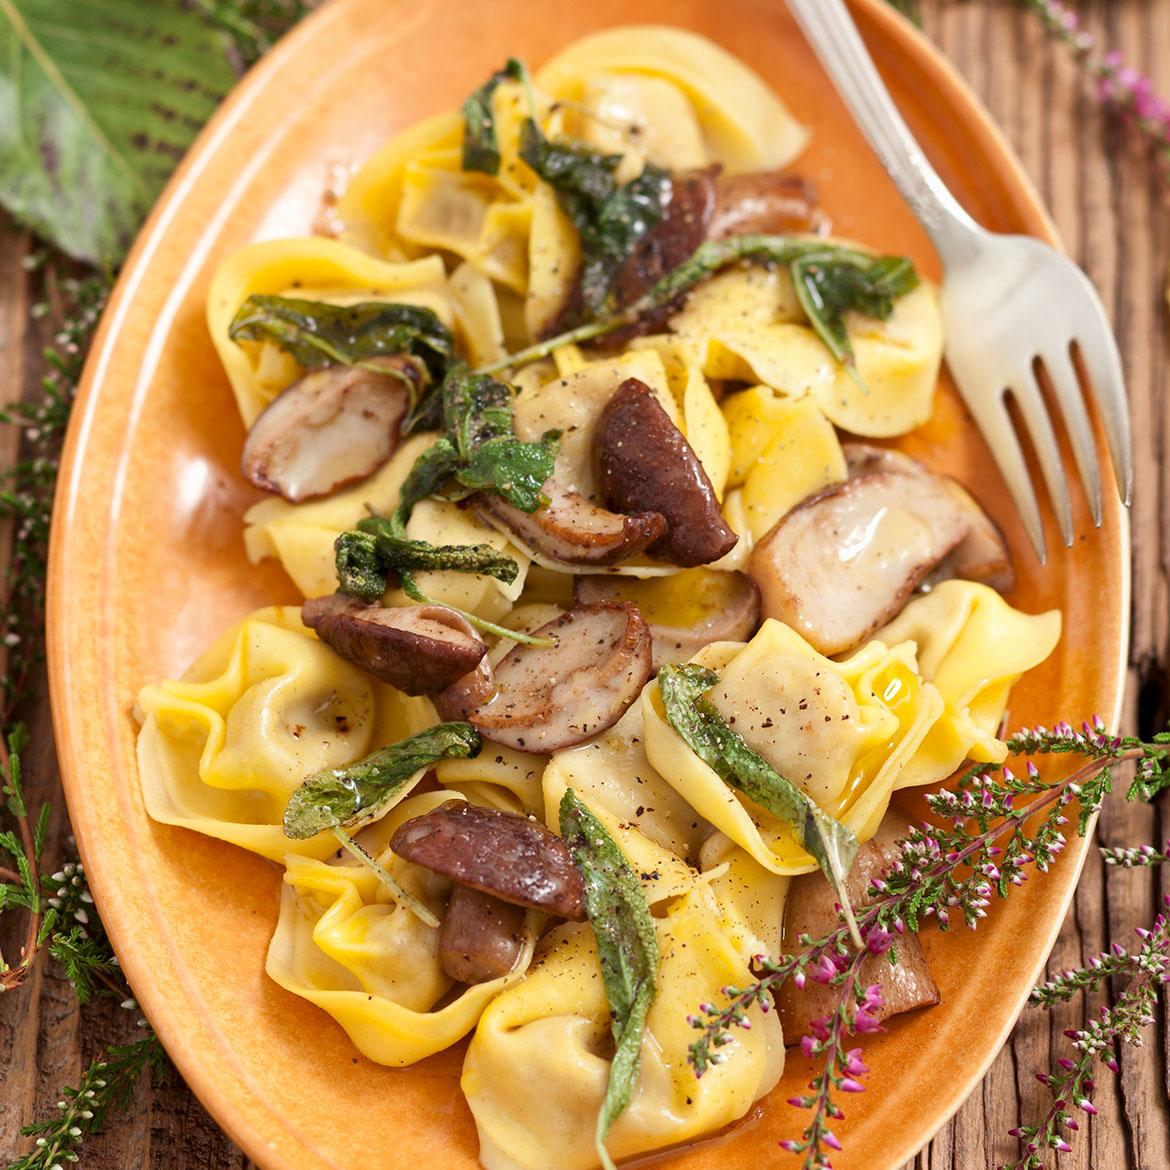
{"x":1114,"y":214}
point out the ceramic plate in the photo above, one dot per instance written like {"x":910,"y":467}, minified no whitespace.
{"x":148,"y":565}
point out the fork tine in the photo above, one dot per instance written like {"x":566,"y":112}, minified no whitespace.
{"x":1066,"y":388}
{"x":1106,"y":380}
{"x":995,"y":424}
{"x":1026,"y":392}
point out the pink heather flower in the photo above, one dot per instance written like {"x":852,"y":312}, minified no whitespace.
{"x":799,"y":980}
{"x":1088,"y":1106}
{"x":791,"y":1146}
{"x":853,"y":1063}
{"x":830,"y":1140}
{"x":878,"y":941}
{"x":848,"y":1085}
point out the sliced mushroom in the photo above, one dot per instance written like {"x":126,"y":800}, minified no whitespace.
{"x":548,"y":698}
{"x":420,"y":649}
{"x":769,"y":203}
{"x":843,"y":562}
{"x":481,"y":937}
{"x":811,"y":909}
{"x":646,"y":465}
{"x":571,"y":530}
{"x":501,"y":853}
{"x":685,"y":612}
{"x":982,"y":555}
{"x":333,"y":427}
{"x":459,"y":699}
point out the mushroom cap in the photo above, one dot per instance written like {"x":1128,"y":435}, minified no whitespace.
{"x":843,"y":563}
{"x":685,"y":612}
{"x":420,"y":649}
{"x":332,"y":427}
{"x":645,"y":465}
{"x":502,"y":853}
{"x":553,"y":697}
{"x":482,"y":936}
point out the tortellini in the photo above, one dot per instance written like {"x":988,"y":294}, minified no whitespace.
{"x":344,"y":944}
{"x":972,"y":647}
{"x":315,"y":269}
{"x":301,"y":536}
{"x":846,"y":732}
{"x":746,"y":325}
{"x":221,"y":750}
{"x":537,"y":1066}
{"x":783,"y":450}
{"x":652,"y":824}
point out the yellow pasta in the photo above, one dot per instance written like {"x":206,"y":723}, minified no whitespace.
{"x":222,"y":749}
{"x":973,"y":647}
{"x":301,"y":536}
{"x":744,"y":125}
{"x":317,"y":269}
{"x":746,"y":325}
{"x":783,"y":450}
{"x":536,"y":1070}
{"x":653,"y":825}
{"x":840,"y":731}
{"x":342,"y":943}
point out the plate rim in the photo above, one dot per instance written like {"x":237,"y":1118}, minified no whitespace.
{"x":906,"y":40}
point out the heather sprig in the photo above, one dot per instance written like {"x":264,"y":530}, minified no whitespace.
{"x":1118,"y":85}
{"x":987,"y":839}
{"x":1121,"y":1023}
{"x":108,"y":1083}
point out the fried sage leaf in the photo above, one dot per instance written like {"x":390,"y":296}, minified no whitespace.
{"x":318,"y":334}
{"x":353,"y":796}
{"x":367,"y":557}
{"x":725,"y":751}
{"x":627,"y":946}
{"x":609,"y":218}
{"x":481,"y":150}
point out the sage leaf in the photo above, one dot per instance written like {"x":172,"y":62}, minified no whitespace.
{"x":98,"y":102}
{"x":353,"y":796}
{"x":317,"y":334}
{"x":367,"y":557}
{"x":610,"y":219}
{"x":724,"y":751}
{"x":627,"y":946}
{"x":481,"y":150}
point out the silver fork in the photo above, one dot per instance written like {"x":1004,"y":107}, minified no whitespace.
{"x":1011,"y":304}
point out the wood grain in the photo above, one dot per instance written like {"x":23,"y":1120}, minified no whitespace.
{"x":1113,"y":211}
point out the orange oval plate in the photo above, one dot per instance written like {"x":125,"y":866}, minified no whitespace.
{"x":148,"y":566}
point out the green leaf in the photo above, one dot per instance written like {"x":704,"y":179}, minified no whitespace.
{"x":353,"y":796}
{"x":627,"y":946}
{"x":725,"y":751}
{"x":610,"y":220}
{"x":98,"y":102}
{"x":513,"y":469}
{"x":481,"y":150}
{"x":319,"y":334}
{"x":366,"y":559}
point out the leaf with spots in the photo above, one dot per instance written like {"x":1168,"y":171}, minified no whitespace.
{"x":98,"y":102}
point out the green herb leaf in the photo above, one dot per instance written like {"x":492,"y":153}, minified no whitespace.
{"x":481,"y":151}
{"x":725,"y":751}
{"x":367,"y":557}
{"x":610,"y":220}
{"x":878,"y":281}
{"x":353,"y":796}
{"x":627,"y":946}
{"x":513,"y":469}
{"x":319,"y":334}
{"x":98,"y":102}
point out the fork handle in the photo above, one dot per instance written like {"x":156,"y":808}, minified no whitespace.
{"x":830,"y":30}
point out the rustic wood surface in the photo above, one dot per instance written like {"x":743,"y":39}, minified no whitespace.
{"x":1114,"y":214}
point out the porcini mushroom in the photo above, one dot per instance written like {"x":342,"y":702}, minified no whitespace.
{"x":811,"y":909}
{"x":685,"y":612}
{"x":501,"y":853}
{"x":420,"y":649}
{"x":845,"y":561}
{"x":481,"y":937}
{"x":645,"y":465}
{"x":552,"y":697}
{"x":332,"y":427}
